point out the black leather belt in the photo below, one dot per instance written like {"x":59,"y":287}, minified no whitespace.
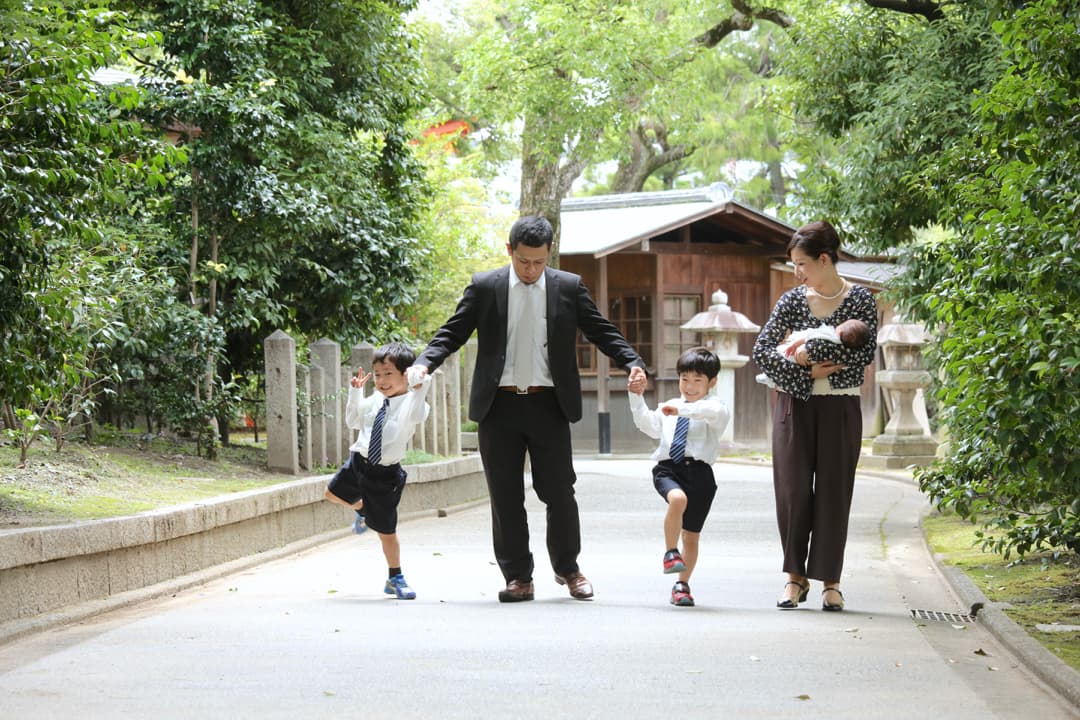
{"x":525,"y":391}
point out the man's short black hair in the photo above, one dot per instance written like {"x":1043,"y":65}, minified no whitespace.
{"x":533,"y":230}
{"x":398,"y":353}
{"x":700,"y":360}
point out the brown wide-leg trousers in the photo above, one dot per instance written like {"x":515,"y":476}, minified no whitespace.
{"x":816,"y":446}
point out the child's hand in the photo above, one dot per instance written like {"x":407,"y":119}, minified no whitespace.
{"x":794,"y":347}
{"x":415,"y":375}
{"x":669,"y":409}
{"x":636,"y":383}
{"x":358,"y":380}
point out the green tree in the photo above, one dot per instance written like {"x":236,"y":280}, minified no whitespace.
{"x":560,"y":78}
{"x":891,"y":91}
{"x":70,"y":161}
{"x":1001,"y":291}
{"x":460,"y":231}
{"x":299,"y":209}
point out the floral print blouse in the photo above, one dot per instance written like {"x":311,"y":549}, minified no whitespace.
{"x":793,"y":313}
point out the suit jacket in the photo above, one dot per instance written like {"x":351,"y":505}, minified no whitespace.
{"x":483,"y":308}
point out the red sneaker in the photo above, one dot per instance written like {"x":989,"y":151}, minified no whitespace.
{"x":673,"y":562}
{"x":680,"y":595}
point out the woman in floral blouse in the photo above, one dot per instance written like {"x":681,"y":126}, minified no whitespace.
{"x":817,"y":423}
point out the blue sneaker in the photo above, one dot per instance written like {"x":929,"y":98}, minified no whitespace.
{"x":397,"y":586}
{"x":358,"y":525}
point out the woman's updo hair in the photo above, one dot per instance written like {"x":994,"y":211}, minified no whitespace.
{"x":816,"y":238}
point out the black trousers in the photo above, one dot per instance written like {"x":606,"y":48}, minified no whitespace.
{"x":816,"y":446}
{"x":532,"y":423}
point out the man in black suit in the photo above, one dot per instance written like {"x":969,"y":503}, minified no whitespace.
{"x":526,"y":391}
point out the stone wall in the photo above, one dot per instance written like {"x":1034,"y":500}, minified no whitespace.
{"x":44,"y":570}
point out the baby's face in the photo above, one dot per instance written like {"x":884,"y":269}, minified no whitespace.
{"x":389,"y":380}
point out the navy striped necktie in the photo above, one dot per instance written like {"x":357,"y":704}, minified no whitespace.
{"x":374,"y":454}
{"x":678,"y":443}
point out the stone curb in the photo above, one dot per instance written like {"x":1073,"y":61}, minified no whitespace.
{"x":58,"y":574}
{"x":16,"y":629}
{"x":1042,"y":663}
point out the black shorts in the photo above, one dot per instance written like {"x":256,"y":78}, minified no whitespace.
{"x":379,"y":486}
{"x":693,"y":477}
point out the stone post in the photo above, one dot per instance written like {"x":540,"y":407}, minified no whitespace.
{"x":468,"y":365}
{"x":303,"y":380}
{"x":318,"y":420}
{"x":327,"y":354}
{"x":429,"y":429}
{"x":453,"y":404}
{"x":343,"y":427}
{"x":279,"y":352}
{"x":904,"y":442}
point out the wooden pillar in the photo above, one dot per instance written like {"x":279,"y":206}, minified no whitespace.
{"x":603,"y":414}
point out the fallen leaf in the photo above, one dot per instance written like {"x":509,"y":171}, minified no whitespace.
{"x":437,"y":554}
{"x":851,"y":629}
{"x":991,"y":668}
{"x":804,"y":696}
{"x":982,"y":652}
{"x":327,"y":693}
{"x":331,"y":592}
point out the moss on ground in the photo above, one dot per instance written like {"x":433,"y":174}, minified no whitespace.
{"x":1041,"y":589}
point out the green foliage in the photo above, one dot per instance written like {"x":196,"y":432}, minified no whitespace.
{"x":461,"y":234}
{"x":1001,"y":293}
{"x":73,"y":165}
{"x":302,"y":179}
{"x":571,"y":64}
{"x":892,"y":91}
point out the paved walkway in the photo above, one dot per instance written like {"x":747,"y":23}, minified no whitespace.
{"x":313,"y":636}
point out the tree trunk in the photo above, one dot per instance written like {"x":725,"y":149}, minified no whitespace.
{"x":645,"y":159}
{"x":775,"y":168}
{"x":545,"y":178}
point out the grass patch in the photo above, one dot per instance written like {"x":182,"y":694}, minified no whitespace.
{"x":124,"y":473}
{"x":88,"y":481}
{"x":1042,"y":589}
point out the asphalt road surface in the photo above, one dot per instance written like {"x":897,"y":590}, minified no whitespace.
{"x":313,"y":635}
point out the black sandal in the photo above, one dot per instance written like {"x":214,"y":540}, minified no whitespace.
{"x":789,"y":604}
{"x":832,"y":607}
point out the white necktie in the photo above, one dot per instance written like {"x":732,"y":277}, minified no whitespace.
{"x":523,"y":339}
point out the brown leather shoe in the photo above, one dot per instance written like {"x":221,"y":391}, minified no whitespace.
{"x":516,"y":591}
{"x":580,"y":587}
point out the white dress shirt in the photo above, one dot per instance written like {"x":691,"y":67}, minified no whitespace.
{"x":541,"y":371}
{"x":403,"y":413}
{"x":708,"y":418}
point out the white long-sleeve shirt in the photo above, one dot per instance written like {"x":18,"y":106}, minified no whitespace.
{"x":402,"y":416}
{"x":708,"y":418}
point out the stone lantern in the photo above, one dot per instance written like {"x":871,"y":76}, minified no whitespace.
{"x":904,"y":441}
{"x":720,"y":327}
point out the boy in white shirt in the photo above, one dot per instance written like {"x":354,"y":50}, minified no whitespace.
{"x":371,"y":480}
{"x":688,"y":429}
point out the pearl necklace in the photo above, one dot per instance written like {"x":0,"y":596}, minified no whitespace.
{"x":843,"y":289}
